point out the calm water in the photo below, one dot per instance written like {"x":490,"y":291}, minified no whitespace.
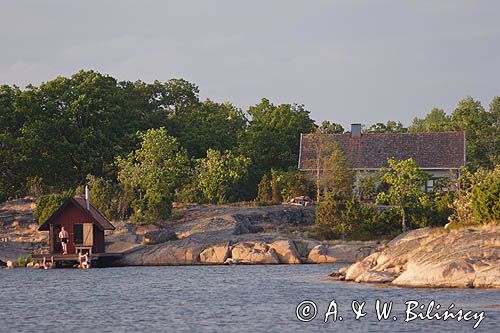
{"x":213,"y":299}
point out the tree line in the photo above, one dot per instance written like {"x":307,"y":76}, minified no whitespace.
{"x":144,"y":145}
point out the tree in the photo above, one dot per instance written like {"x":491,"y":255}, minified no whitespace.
{"x":476,"y":121}
{"x":330,"y":128}
{"x":272,"y":138}
{"x":46,"y":205}
{"x":153,"y":173}
{"x":390,"y":127}
{"x":218,"y":175}
{"x":209,"y":125}
{"x":264,"y":191}
{"x":405,"y":182}
{"x":435,"y":121}
{"x":338,"y":175}
{"x":485,"y":197}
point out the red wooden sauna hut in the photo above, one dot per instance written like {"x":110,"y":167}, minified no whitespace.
{"x":85,"y":226}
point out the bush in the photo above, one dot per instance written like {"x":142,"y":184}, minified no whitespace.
{"x":477,"y":197}
{"x":486,"y":198}
{"x":337,"y":214}
{"x":264,"y":191}
{"x":283,"y":186}
{"x":376,"y":223}
{"x":47,"y":204}
{"x":369,"y":186}
{"x":109,"y":198}
{"x":22,"y":261}
{"x":434,"y":210}
{"x":337,"y":217}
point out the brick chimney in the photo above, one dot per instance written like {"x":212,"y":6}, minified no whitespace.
{"x":355,"y":130}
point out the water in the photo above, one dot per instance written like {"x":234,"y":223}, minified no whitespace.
{"x":213,"y":299}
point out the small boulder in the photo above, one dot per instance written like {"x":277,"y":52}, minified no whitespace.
{"x":216,"y":254}
{"x":10,"y":264}
{"x":319,"y":255}
{"x":286,"y":251}
{"x":231,"y":261}
{"x":254,"y":253}
{"x":375,"y":277}
{"x":159,"y":236}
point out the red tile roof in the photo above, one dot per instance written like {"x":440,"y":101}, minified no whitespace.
{"x":431,"y":150}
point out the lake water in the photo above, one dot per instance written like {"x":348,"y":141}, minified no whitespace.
{"x":215,"y":299}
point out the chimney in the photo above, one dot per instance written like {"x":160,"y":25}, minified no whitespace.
{"x":87,"y":202}
{"x":356,"y":130}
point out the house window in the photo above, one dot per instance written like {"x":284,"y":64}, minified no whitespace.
{"x":429,"y":186}
{"x":78,"y":233}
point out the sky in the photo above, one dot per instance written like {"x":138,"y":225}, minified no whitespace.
{"x":346,"y":61}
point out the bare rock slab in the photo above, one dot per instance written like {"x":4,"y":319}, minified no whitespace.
{"x":286,"y":251}
{"x":216,"y":254}
{"x":254,"y":253}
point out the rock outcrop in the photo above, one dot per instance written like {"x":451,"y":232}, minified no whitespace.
{"x":162,"y":254}
{"x":254,"y":253}
{"x":159,"y":236}
{"x":286,"y":251}
{"x":347,"y":252}
{"x":434,"y":258}
{"x":216,"y":254}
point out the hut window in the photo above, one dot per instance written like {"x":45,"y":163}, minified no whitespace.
{"x":78,"y":233}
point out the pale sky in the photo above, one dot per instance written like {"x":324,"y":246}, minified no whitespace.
{"x":347,"y":61}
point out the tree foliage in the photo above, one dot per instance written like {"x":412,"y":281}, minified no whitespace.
{"x":485,"y":197}
{"x":218,"y":173}
{"x":338,"y":175}
{"x":46,"y":205}
{"x":152,"y":173}
{"x":406,"y":182}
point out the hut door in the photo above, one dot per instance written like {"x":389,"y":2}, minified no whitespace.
{"x":88,"y":234}
{"x":56,"y":242}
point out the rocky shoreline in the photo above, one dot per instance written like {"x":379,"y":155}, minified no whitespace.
{"x":286,"y":251}
{"x":205,"y":235}
{"x":433,"y":258}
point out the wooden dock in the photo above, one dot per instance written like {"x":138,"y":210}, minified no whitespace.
{"x":67,"y":260}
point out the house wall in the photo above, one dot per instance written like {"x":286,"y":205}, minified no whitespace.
{"x":72,"y":215}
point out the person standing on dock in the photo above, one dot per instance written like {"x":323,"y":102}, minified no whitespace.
{"x":64,"y":236}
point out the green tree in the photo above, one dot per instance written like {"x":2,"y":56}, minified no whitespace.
{"x":476,"y":121}
{"x":405,"y":182}
{"x":338,"y":175}
{"x":272,"y":138}
{"x":209,"y":126}
{"x":12,"y":167}
{"x":390,"y":127}
{"x":46,"y":205}
{"x":485,"y":197}
{"x":435,"y":121}
{"x":264,"y":191}
{"x":330,"y":128}
{"x":153,"y":173}
{"x":219,"y":174}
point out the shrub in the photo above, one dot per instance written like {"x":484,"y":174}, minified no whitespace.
{"x":486,"y":198}
{"x":477,"y":197}
{"x":47,"y":204}
{"x":264,"y":191}
{"x":337,"y":214}
{"x":294,"y":184}
{"x":337,"y":217}
{"x":109,"y":198}
{"x":433,"y":211}
{"x":22,"y":261}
